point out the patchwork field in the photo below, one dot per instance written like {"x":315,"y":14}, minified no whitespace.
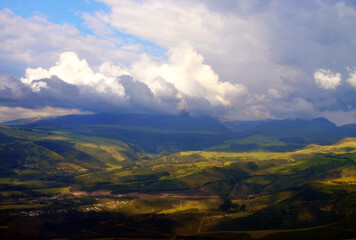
{"x":98,"y":187}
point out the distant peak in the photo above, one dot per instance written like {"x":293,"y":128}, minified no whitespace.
{"x":321,"y":119}
{"x":325,"y":120}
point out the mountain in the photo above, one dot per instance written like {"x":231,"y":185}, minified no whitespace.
{"x":293,"y":131}
{"x":183,"y":122}
{"x":348,"y":130}
{"x":172,"y":133}
{"x":150,"y":133}
{"x":241,"y":126}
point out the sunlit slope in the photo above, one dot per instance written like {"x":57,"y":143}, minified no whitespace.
{"x":202,"y":193}
{"x":241,"y":173}
{"x":101,"y":163}
{"x":255,"y":143}
{"x":22,"y":148}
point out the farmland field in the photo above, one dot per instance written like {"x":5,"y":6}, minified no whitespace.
{"x":103,"y":187}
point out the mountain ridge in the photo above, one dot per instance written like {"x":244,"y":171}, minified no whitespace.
{"x":155,"y":133}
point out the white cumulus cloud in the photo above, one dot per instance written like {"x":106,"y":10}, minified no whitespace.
{"x":179,"y":83}
{"x":75,"y":71}
{"x":235,"y":58}
{"x":352,"y":77}
{"x":326,"y":79}
{"x":187,"y":72}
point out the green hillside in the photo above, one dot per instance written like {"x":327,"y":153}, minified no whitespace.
{"x":42,"y":151}
{"x":101,"y":187}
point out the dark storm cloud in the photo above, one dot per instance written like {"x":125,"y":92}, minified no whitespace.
{"x":57,"y":89}
{"x":54,"y":92}
{"x":138,"y":93}
{"x":12,"y":89}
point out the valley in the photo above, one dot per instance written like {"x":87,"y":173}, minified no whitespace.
{"x":114,"y":179}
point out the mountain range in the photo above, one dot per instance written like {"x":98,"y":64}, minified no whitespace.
{"x":155,"y":133}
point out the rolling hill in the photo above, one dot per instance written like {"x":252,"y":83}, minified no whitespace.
{"x":140,"y":176}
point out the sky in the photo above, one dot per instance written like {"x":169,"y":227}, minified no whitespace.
{"x":230,"y":59}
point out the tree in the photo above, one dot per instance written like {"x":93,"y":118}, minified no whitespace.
{"x":228,"y":206}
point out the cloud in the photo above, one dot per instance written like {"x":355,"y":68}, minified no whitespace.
{"x":140,"y":98}
{"x":229,"y":42}
{"x":72,"y":70}
{"x":40,"y":93}
{"x":326,"y":79}
{"x":12,"y":113}
{"x":187,"y":72}
{"x":280,"y":38}
{"x":352,"y":77}
{"x":169,"y":86}
{"x":12,"y":89}
{"x":311,"y":34}
{"x":288,"y":39}
{"x":237,"y":59}
{"x":71,"y":82}
{"x":340,"y":117}
{"x":38,"y":85}
{"x":35,"y":41}
{"x":54,"y":88}
{"x":98,"y":23}
{"x":174,"y":21}
{"x":274,"y":93}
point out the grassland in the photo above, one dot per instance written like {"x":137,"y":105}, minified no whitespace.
{"x":110,"y":186}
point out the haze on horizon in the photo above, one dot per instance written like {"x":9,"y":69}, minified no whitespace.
{"x":235,"y":59}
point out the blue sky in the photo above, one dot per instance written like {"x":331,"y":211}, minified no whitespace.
{"x":70,"y":12}
{"x":232,"y":58}
{"x":60,"y":12}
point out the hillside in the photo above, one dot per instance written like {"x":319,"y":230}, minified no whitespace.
{"x":284,"y":135}
{"x":149,"y":133}
{"x":82,"y":182}
{"x":173,"y":133}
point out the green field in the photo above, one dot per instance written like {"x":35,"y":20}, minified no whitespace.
{"x":100,"y":187}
